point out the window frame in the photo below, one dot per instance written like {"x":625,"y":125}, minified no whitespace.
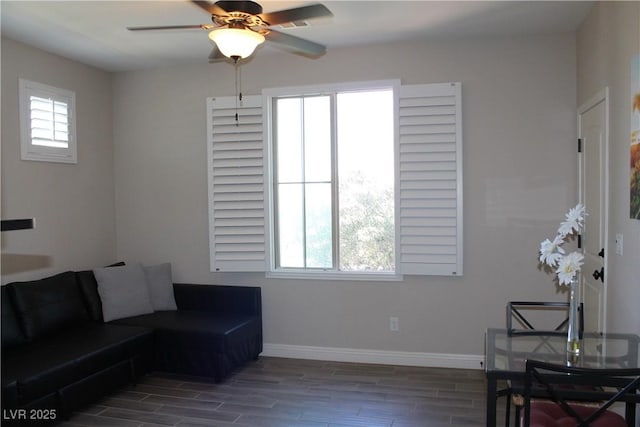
{"x":31,"y":151}
{"x":270,"y":95}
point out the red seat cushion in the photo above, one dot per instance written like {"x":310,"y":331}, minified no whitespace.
{"x":549,"y":414}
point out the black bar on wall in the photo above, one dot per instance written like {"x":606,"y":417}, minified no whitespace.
{"x":18,"y":224}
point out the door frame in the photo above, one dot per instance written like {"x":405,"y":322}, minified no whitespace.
{"x":601,"y":96}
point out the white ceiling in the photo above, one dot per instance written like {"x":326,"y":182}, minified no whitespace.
{"x":94,"y":32}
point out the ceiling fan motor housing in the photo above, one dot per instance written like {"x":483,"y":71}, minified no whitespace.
{"x":250,"y":7}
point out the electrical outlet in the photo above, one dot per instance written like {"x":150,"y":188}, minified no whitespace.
{"x":394,"y":325}
{"x":619,"y":244}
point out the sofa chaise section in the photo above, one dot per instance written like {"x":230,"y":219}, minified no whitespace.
{"x":215,"y":330}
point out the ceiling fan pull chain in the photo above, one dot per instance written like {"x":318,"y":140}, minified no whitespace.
{"x":240,"y":83}
{"x":239,"y":96}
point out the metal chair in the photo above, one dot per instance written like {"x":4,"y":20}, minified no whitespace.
{"x":579,"y":396}
{"x":515,"y":316}
{"x":519,"y":324}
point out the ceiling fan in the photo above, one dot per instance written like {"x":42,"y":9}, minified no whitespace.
{"x":238,"y":27}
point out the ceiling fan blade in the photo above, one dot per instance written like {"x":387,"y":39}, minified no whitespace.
{"x":296,"y":14}
{"x":173,"y":27}
{"x":303,"y":46}
{"x":211,"y":9}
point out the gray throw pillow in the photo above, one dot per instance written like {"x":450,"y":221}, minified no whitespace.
{"x":160,"y":282}
{"x":123,"y":291}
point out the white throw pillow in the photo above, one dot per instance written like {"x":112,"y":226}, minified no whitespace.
{"x":160,"y":282}
{"x":123,"y":291}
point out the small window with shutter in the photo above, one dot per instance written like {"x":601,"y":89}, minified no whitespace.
{"x":47,"y":123}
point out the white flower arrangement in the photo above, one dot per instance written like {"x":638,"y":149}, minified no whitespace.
{"x":553,"y":255}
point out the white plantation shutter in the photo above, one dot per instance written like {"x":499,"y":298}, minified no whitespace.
{"x":47,"y":123}
{"x":236,"y":184}
{"x":429,"y":218}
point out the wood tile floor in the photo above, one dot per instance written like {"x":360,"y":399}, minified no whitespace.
{"x":276,"y":392}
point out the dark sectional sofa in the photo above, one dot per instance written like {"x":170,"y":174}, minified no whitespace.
{"x":58,"y":354}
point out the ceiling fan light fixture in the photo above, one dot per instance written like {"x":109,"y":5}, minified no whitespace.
{"x":236,"y":42}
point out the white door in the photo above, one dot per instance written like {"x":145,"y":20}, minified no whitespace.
{"x":593,"y":189}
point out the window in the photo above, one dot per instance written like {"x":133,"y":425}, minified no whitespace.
{"x":47,"y":123}
{"x":333,"y":181}
{"x":346,"y":180}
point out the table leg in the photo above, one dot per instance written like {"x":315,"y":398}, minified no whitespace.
{"x":492,"y":386}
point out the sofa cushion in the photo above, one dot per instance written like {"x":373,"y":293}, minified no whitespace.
{"x":160,"y":282}
{"x":11,"y":333}
{"x":48,"y":304}
{"x":102,"y":345}
{"x":89,"y":289}
{"x":199,"y":330}
{"x":71,"y":355}
{"x":123,"y":291}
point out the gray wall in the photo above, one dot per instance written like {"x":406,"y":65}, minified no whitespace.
{"x":73,"y":203}
{"x":519,"y":125}
{"x":607,"y":40}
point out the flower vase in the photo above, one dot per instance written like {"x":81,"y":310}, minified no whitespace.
{"x":573,"y":330}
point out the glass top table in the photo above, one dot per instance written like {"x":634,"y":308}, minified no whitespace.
{"x":505,"y":356}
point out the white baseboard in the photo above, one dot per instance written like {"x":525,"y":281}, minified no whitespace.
{"x":382,"y":357}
